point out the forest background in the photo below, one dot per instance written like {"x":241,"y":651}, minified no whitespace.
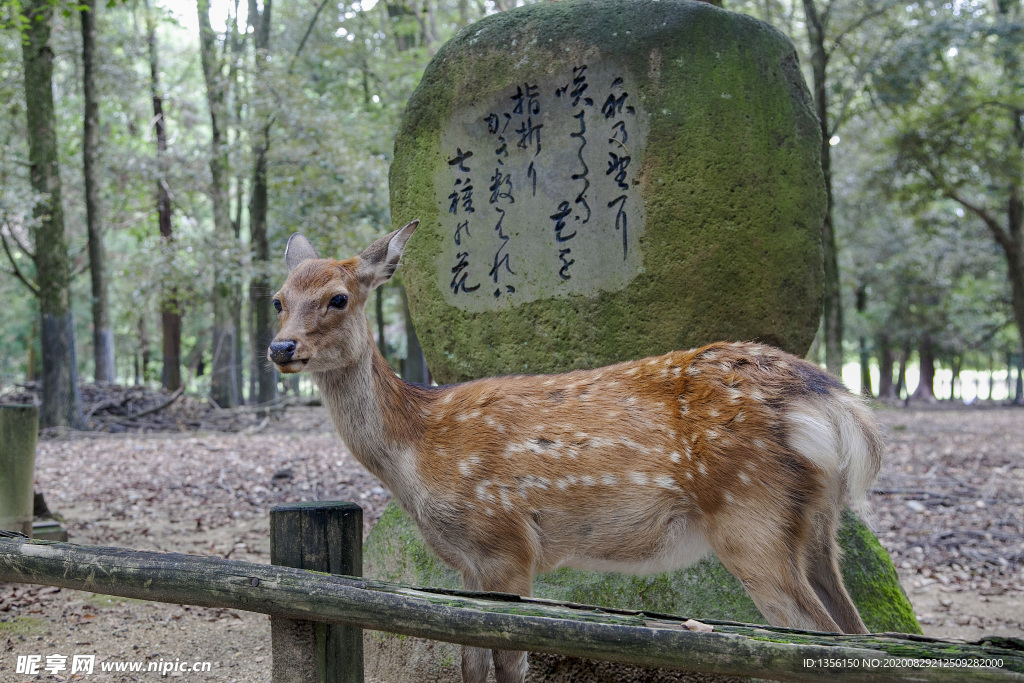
{"x":156,"y":154}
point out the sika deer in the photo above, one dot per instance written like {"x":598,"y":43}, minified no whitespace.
{"x":643,"y":466}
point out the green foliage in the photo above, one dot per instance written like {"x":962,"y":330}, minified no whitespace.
{"x":922,"y":93}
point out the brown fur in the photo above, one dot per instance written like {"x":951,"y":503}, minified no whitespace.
{"x":641,"y":466}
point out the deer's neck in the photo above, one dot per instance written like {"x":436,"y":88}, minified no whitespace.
{"x":380,"y":419}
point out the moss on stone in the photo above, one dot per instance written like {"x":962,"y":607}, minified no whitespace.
{"x":731,"y":185}
{"x":872,"y":581}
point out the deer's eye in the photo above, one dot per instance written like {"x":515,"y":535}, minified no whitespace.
{"x":339,"y":301}
{"x":277,"y":305}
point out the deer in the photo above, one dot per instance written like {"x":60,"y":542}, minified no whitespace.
{"x":734,"y":448}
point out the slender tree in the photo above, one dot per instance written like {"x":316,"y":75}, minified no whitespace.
{"x":223,"y":387}
{"x":259,"y":285}
{"x":170,"y":311}
{"x":62,"y":404}
{"x":102,"y":334}
{"x":824,"y":41}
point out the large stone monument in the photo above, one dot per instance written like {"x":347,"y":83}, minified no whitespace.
{"x":601,"y":180}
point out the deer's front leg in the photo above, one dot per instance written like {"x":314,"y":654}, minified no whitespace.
{"x":510,"y":666}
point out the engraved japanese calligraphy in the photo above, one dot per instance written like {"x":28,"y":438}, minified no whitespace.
{"x":554,"y":162}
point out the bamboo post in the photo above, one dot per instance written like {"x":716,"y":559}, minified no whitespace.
{"x":19,"y":425}
{"x":321,"y":537}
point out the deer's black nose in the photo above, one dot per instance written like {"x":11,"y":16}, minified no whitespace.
{"x":281,"y":351}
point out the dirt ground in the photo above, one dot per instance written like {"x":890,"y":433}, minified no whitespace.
{"x":948,"y":507}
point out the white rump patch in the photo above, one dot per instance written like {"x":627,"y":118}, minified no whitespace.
{"x":814,"y":436}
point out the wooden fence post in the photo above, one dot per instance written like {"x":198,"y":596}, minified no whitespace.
{"x":322,"y":537}
{"x":19,"y":425}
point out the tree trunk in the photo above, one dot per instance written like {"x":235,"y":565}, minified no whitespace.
{"x":415,"y":369}
{"x":862,"y":344}
{"x":62,"y":403}
{"x":832,"y":304}
{"x":382,"y":342}
{"x":144,"y":351}
{"x":102,"y":334}
{"x":926,"y":386}
{"x":223,"y":389}
{"x":886,"y":361}
{"x":901,"y":380}
{"x":259,"y":286}
{"x":170,"y":311}
{"x":955,"y":379}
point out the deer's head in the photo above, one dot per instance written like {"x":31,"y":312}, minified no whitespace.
{"x":320,"y":306}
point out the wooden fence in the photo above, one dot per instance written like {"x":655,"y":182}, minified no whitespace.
{"x":317,"y":616}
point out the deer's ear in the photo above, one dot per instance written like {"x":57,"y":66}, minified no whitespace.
{"x":298,"y":250}
{"x":377,"y":264}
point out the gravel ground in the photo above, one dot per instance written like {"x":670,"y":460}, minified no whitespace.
{"x":947,"y":507}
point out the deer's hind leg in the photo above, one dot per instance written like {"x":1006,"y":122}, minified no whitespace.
{"x":766,"y":552}
{"x":822,"y":562}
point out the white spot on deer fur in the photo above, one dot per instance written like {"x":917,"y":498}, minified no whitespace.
{"x":632,"y":371}
{"x":665,"y":481}
{"x":465,"y":469}
{"x":562,"y":484}
{"x":744,"y":477}
{"x":734,"y":395}
{"x":609,"y":479}
{"x":710,"y":434}
{"x":739,"y":417}
{"x":676,"y":371}
{"x":672,"y":434}
{"x":692,"y":370}
{"x":549,"y":382}
{"x":689,"y":475}
{"x":482,"y":493}
{"x":506,"y":502}
{"x":701,"y":468}
{"x":580,"y":435}
{"x":713,"y":412}
{"x":631,"y":401}
{"x":674,"y":456}
{"x":588,"y":480}
{"x":571,"y":479}
{"x":759,"y":444}
{"x":728,"y":497}
{"x":489,"y":421}
{"x":639,"y":478}
{"x":447,"y":399}
{"x":629,"y":443}
{"x":688,"y":451}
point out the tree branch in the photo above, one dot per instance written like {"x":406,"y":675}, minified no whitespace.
{"x":860,"y":21}
{"x":305,"y":36}
{"x":1000,"y":235}
{"x":17,"y":271}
